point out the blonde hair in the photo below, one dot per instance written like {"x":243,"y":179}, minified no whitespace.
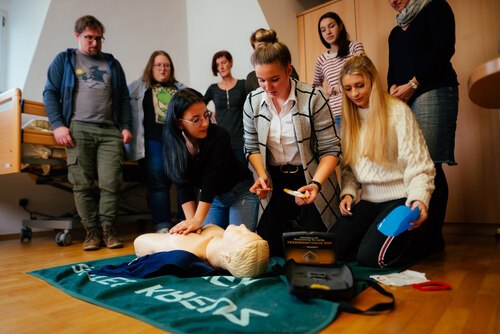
{"x":250,"y":260}
{"x":380,"y":145}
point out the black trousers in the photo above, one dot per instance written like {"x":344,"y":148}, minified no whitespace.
{"x":359,"y":239}
{"x":283,"y":215}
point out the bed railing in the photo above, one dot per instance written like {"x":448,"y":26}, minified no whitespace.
{"x":10,"y":131}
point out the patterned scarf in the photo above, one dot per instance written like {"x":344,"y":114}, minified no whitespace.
{"x":410,"y":11}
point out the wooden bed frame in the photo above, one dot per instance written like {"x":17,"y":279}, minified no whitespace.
{"x":12,"y":136}
{"x":12,"y":106}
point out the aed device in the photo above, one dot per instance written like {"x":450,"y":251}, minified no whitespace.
{"x":316,"y":248}
{"x":311,"y":269}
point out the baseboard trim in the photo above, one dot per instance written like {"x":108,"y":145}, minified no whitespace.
{"x":472,"y":229}
{"x":130,"y":226}
{"x":143,"y":226}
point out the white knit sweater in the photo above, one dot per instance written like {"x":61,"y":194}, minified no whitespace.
{"x":412,"y":177}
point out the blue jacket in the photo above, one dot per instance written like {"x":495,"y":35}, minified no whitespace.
{"x":60,"y":85}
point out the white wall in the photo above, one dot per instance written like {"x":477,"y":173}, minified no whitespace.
{"x":134,"y":29}
{"x":220,"y":25}
{"x":3,"y":43}
{"x":22,"y":38}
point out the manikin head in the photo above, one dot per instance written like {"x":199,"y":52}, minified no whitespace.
{"x":241,"y":252}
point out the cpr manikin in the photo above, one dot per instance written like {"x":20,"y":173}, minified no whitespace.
{"x":236,"y":249}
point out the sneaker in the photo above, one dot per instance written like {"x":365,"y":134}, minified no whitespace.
{"x":92,"y":240}
{"x":110,"y":239}
{"x":163,"y":230}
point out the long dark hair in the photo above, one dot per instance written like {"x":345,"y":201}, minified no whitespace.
{"x":343,"y":40}
{"x":175,"y":152}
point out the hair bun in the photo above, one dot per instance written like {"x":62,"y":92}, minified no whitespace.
{"x":266,"y":36}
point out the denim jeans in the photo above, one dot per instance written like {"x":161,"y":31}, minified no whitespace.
{"x":158,"y":186}
{"x":436,"y":113}
{"x":338,"y":122}
{"x":236,"y":207}
{"x":97,"y":155}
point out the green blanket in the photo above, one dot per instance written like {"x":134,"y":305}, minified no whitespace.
{"x":216,"y":304}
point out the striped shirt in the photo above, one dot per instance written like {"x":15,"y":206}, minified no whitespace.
{"x":328,"y":68}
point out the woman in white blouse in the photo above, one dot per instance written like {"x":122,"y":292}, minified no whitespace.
{"x":291,"y":142}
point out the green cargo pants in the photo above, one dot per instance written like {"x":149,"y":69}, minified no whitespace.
{"x":96,"y":156}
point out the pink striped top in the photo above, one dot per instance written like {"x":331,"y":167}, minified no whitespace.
{"x":328,"y":69}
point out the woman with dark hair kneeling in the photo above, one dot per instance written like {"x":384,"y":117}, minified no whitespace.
{"x":386,"y":159}
{"x":198,"y":155}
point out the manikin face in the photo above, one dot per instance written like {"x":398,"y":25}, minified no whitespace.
{"x":195,"y":121}
{"x":161,"y":68}
{"x":274,"y":79}
{"x":357,"y":89}
{"x":330,"y":30}
{"x":223,"y":66}
{"x":399,"y":5}
{"x":237,"y":236}
{"x":90,"y":41}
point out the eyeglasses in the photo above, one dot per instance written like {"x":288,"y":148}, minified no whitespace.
{"x":90,"y":38}
{"x":197,"y":120}
{"x":162,"y":65}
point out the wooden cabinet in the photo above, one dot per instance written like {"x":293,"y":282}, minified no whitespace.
{"x":475,"y":183}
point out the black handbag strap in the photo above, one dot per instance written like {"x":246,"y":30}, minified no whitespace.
{"x":347,"y":306}
{"x":375,"y":309}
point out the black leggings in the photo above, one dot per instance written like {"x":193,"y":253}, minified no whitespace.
{"x":359,"y":239}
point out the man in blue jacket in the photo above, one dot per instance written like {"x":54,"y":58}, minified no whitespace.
{"x":88,"y":105}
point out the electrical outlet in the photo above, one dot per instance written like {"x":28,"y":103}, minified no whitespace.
{"x":23,"y":202}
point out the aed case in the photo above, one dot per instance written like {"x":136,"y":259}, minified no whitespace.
{"x":311,"y":268}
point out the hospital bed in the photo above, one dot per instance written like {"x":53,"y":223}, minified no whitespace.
{"x":27,"y":145}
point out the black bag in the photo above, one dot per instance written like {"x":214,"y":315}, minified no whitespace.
{"x":319,"y":276}
{"x":333,"y":283}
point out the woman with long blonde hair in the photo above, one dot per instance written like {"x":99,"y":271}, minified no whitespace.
{"x":386,"y":163}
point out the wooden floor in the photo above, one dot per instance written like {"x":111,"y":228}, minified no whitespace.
{"x":471,"y":265}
